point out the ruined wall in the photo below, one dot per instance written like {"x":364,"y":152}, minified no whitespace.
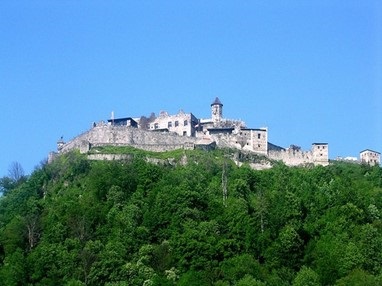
{"x":291,"y":157}
{"x":109,"y":157}
{"x":159,"y":141}
{"x":318,"y":155}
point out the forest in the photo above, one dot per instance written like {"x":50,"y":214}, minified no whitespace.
{"x":205,"y":222}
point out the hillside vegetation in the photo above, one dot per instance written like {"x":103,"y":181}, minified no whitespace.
{"x":116,"y":223}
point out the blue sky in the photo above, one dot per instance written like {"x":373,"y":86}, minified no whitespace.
{"x":311,"y":71}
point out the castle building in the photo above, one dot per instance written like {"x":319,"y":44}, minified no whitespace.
{"x":127,"y":121}
{"x":216,"y":111}
{"x":185,"y":130}
{"x":370,"y":157}
{"x":183,"y":124}
{"x":255,"y":140}
{"x":320,"y":153}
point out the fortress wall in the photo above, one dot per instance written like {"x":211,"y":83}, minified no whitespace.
{"x":75,"y":143}
{"x":240,"y":142}
{"x":147,"y":147}
{"x":291,"y":157}
{"x":129,"y":157}
{"x":109,"y":157}
{"x":224,"y":140}
{"x":103,"y":135}
{"x":123,"y":136}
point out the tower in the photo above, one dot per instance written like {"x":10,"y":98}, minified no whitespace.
{"x":60,"y":144}
{"x":216,"y":111}
{"x":320,"y":152}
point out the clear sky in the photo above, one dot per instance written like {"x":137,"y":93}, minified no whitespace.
{"x":310,"y":71}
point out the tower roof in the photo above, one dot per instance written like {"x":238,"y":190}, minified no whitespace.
{"x":217,"y":102}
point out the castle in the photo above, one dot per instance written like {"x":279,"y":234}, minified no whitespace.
{"x":185,"y":131}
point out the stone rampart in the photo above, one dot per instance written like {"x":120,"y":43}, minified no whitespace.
{"x":159,"y":141}
{"x":109,"y":157}
{"x":291,"y":157}
{"x":127,"y":136}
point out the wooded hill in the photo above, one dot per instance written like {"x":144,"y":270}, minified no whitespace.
{"x":81,"y":222}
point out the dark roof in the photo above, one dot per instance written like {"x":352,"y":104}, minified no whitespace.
{"x":319,"y":143}
{"x":274,"y":147}
{"x":121,"y":119}
{"x":221,"y":129}
{"x":159,"y":130}
{"x":253,"y":129}
{"x":217,"y":102}
{"x":369,"y":150}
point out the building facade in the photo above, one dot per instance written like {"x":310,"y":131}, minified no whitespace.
{"x":183,"y":124}
{"x":370,"y":157}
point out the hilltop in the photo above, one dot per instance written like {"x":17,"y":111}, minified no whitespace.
{"x":191,"y":217}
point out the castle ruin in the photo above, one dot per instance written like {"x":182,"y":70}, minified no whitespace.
{"x":186,"y":131}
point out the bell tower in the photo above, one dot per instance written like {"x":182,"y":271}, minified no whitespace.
{"x":216,"y":111}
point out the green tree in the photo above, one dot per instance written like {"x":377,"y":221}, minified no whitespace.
{"x":358,"y":277}
{"x":248,"y":280}
{"x":13,"y":271}
{"x":306,"y":277}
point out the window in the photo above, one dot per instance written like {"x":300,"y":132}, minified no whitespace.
{"x":176,"y":123}
{"x":169,"y":124}
{"x":259,"y":145}
{"x":156,"y":126}
{"x":185,"y":123}
{"x":184,"y":133}
{"x":258,"y":136}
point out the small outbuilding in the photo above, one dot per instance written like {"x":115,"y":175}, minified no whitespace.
{"x":127,"y":121}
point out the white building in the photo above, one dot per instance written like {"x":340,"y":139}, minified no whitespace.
{"x":370,"y":157}
{"x":183,"y":124}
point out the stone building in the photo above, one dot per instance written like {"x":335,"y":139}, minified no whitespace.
{"x":295,"y":156}
{"x":182,"y":123}
{"x":127,"y":121}
{"x":320,"y":153}
{"x":370,"y":157}
{"x":216,"y":112}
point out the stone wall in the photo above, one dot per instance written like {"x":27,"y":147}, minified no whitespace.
{"x":109,"y":157}
{"x":159,"y":141}
{"x":129,"y":157}
{"x":103,"y":135}
{"x":318,"y":155}
{"x":291,"y":157}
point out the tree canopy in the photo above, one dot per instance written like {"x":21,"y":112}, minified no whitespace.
{"x":80,"y":222}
